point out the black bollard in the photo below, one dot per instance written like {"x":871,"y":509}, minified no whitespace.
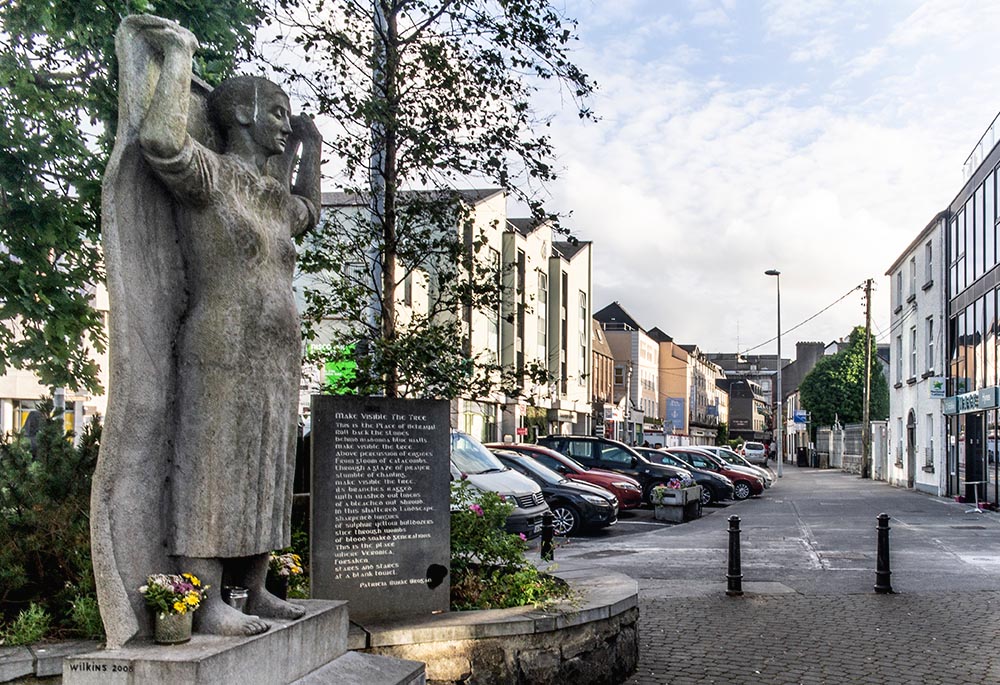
{"x":882,"y":584}
{"x":735,"y":575}
{"x":548,"y":530}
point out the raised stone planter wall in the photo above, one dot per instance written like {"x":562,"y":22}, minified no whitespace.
{"x":592,"y":640}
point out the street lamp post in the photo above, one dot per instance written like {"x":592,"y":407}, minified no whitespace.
{"x":779,"y":424}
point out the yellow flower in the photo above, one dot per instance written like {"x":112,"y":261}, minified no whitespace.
{"x":192,"y":579}
{"x":180,"y":607}
{"x":192,"y":598}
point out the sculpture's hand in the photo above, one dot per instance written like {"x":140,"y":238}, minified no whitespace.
{"x":166,"y":35}
{"x":304,"y":129}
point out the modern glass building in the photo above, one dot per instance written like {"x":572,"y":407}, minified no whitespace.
{"x":972,"y":304}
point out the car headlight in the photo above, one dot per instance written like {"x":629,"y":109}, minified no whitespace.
{"x":627,"y":486}
{"x":596,"y":499}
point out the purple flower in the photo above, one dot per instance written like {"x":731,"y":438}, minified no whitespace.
{"x":524,"y":538}
{"x":478,"y":510}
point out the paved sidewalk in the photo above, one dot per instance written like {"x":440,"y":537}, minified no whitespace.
{"x":809,"y":614}
{"x":792,"y":638}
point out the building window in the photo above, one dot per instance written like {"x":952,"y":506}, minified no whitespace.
{"x":408,"y":290}
{"x":930,"y":343}
{"x":899,"y":442}
{"x":928,"y":262}
{"x":899,"y":288}
{"x":584,"y":337}
{"x":913,"y":352}
{"x":619,"y":375}
{"x":543,"y":305}
{"x":929,"y":450}
{"x":913,"y":275}
{"x":899,"y":358}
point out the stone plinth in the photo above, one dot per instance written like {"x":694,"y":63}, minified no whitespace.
{"x":287,"y":652}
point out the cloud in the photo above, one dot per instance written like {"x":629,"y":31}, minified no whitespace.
{"x":690,"y":187}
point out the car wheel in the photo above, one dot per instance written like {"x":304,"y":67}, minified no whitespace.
{"x":741,"y":489}
{"x":707,"y":496}
{"x":565,"y":519}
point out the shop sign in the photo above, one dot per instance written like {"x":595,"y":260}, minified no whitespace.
{"x":988,"y":397}
{"x":963,"y":404}
{"x":937,"y":387}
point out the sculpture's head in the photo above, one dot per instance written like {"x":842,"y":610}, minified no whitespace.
{"x":253,"y":108}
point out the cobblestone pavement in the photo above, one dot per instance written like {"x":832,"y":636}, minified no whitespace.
{"x":809,"y":614}
{"x":791,"y":638}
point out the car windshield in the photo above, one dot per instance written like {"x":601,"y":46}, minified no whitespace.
{"x":543,"y":473}
{"x":471,"y":457}
{"x":756,"y":446}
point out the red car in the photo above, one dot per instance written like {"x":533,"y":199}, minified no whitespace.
{"x":745,"y":483}
{"x":625,"y":488}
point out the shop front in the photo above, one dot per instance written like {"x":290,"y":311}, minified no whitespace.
{"x":973,"y":469}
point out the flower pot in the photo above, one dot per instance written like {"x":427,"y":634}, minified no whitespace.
{"x":172,"y":629}
{"x":277,"y":585}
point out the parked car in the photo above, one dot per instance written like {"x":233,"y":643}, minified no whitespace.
{"x":745,"y":483}
{"x":603,"y":453}
{"x":575,"y":506}
{"x":626,"y":489}
{"x":755,"y":452}
{"x":731,"y":457}
{"x":473,"y":462}
{"x":714,"y":486}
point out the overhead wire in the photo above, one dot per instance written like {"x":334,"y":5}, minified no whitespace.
{"x":803,"y":323}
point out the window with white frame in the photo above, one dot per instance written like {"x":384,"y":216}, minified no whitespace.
{"x":928,"y":262}
{"x":584,"y":337}
{"x":929,"y":328}
{"x":899,"y":442}
{"x":899,"y":288}
{"x":913,"y":276}
{"x":929,"y":452}
{"x":913,"y":352}
{"x":542,"y":304}
{"x":899,"y":358}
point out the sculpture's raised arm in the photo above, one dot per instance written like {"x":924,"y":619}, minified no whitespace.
{"x":164,"y":126}
{"x":307,"y":180}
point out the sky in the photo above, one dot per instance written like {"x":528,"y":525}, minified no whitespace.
{"x":813,"y":137}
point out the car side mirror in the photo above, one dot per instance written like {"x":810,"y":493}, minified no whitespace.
{"x":634,"y":462}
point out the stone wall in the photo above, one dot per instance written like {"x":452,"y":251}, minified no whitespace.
{"x":591,"y":640}
{"x":595,"y":653}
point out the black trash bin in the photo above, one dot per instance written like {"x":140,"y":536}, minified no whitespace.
{"x":801,"y":457}
{"x":814,"y":458}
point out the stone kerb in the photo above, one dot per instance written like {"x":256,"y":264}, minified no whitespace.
{"x":592,"y":638}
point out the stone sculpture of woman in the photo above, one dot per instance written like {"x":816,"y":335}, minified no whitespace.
{"x":197,"y":462}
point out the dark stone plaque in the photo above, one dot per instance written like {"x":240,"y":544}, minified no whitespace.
{"x":380,"y":504}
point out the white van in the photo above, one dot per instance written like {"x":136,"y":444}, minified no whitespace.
{"x":473,"y":462}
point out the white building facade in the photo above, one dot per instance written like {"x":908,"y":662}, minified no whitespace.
{"x":917,"y":447}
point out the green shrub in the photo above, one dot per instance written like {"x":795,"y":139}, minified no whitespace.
{"x":488,"y":567}
{"x":31,"y":625}
{"x":85,"y":617}
{"x":45,"y":521}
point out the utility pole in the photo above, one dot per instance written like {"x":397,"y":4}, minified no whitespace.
{"x":866,"y":428}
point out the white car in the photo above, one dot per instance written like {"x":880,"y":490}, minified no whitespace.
{"x":736,"y":459}
{"x":755,"y":452}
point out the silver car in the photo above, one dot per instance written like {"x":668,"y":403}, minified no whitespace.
{"x":755,"y":452}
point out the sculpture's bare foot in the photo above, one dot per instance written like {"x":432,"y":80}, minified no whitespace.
{"x":218,"y":618}
{"x":263,"y":603}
